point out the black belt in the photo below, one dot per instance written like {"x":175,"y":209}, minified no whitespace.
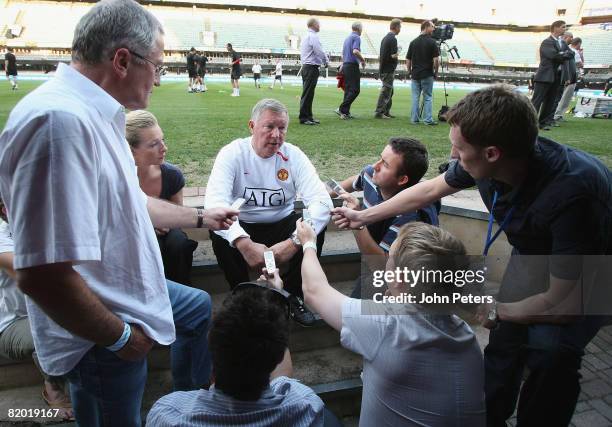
{"x":311,"y":65}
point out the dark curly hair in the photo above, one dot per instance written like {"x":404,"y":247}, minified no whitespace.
{"x":415,"y":159}
{"x":247,"y":340}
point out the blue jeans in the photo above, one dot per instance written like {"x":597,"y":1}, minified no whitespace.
{"x":107,"y":391}
{"x":426,"y":86}
{"x":190,"y":359}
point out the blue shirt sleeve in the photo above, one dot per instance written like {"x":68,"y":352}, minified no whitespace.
{"x":358,"y":184}
{"x":356,"y":44}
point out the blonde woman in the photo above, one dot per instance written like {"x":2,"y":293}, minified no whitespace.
{"x":421,"y":365}
{"x":163,"y":180}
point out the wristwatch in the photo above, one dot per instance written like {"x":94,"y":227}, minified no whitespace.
{"x":200,"y":213}
{"x":294,"y":239}
{"x":492,"y":315}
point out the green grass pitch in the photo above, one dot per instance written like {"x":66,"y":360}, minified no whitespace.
{"x":196,"y":126}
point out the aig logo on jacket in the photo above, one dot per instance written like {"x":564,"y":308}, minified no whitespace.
{"x":264,"y":197}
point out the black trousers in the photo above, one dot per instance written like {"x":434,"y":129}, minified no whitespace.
{"x":352,"y":79}
{"x":385,"y":99}
{"x":553,"y":355}
{"x":310,"y":76}
{"x":544,"y":99}
{"x":236,"y":269}
{"x":177,"y":254}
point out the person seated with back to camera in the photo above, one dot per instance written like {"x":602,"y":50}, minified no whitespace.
{"x":252,"y":369}
{"x":422,"y":365}
{"x":161,"y":179}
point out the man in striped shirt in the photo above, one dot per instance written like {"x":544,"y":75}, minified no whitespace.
{"x":402,"y":164}
{"x":249,"y":341}
{"x":312,"y":57}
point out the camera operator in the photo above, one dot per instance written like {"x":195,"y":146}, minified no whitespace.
{"x":422,"y":62}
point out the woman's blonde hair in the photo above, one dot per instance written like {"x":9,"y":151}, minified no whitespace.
{"x":430,"y":249}
{"x":136,"y":120}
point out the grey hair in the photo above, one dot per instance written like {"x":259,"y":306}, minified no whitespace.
{"x":568,"y":33}
{"x":357,"y":26}
{"x":395,"y":23}
{"x":112,"y":24}
{"x":311,"y":22}
{"x":268,"y":104}
{"x":134,"y":121}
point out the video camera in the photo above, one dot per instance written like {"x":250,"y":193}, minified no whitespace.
{"x":443,"y":32}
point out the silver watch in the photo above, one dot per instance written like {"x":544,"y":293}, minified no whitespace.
{"x":294,"y":239}
{"x":492,"y":315}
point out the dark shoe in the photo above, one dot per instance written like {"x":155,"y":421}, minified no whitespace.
{"x":431,"y":123}
{"x":544,"y":127}
{"x":300,"y":313}
{"x":315,"y":121}
{"x":381,"y":116}
{"x":389,"y":115}
{"x":308,"y":122}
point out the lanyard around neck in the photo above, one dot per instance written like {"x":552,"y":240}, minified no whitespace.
{"x":489,"y":240}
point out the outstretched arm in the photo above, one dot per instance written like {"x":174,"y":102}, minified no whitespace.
{"x":408,"y":200}
{"x":318,"y":293}
{"x":168,"y":215}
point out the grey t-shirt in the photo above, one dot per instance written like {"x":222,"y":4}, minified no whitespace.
{"x":418,"y":369}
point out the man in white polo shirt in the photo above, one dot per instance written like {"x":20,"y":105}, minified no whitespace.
{"x":85,"y":251}
{"x":268,"y":173}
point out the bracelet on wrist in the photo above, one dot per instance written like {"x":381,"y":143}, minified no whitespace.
{"x":200,"y":213}
{"x":311,"y":244}
{"x":123,"y":339}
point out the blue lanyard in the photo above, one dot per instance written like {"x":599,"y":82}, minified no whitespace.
{"x":489,"y":241}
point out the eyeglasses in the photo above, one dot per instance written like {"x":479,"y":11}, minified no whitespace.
{"x":160,"y":70}
{"x":282,"y":294}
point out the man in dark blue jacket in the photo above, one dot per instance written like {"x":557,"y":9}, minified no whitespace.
{"x":553,"y":53}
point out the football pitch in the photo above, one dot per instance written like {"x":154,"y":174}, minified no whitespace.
{"x":197,"y":125}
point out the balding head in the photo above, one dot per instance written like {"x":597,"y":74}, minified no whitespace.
{"x":313,"y":24}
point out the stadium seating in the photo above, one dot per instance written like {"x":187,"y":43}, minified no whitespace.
{"x":272,"y":33}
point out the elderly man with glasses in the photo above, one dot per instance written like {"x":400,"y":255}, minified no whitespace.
{"x":85,"y":250}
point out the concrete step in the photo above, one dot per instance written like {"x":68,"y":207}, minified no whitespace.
{"x":340,"y":260}
{"x":319,"y":336}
